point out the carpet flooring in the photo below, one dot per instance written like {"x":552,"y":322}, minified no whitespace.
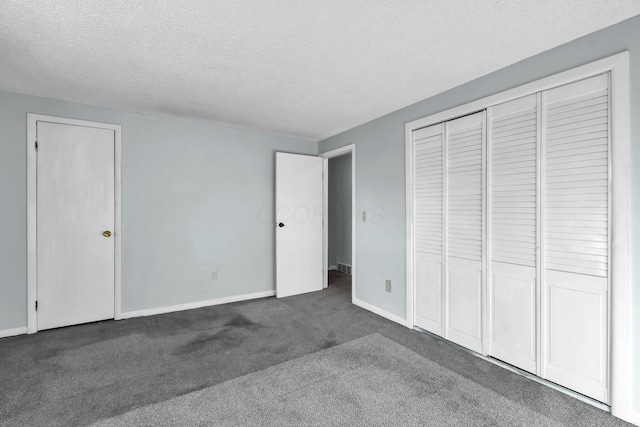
{"x":80,"y":375}
{"x":366,"y":382}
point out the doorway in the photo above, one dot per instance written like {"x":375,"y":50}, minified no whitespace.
{"x":339,"y":220}
{"x":339,"y":215}
{"x":73,"y":188}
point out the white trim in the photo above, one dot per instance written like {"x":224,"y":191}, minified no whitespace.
{"x":380,"y":312}
{"x":118,"y":225}
{"x":197,"y":304}
{"x":347,"y":149}
{"x":409,"y":278}
{"x":566,"y":77}
{"x":32,"y":267}
{"x":621,"y":388}
{"x":633,"y":417}
{"x":621,"y":328}
{"x":13,"y":332}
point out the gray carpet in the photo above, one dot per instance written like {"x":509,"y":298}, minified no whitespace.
{"x":370,"y":381}
{"x":82,"y":374}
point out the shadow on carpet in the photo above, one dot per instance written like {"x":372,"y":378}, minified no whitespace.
{"x":368,"y":381}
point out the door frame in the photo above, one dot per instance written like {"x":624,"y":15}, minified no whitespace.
{"x":347,"y":149}
{"x":620,"y":326}
{"x":32,"y":205}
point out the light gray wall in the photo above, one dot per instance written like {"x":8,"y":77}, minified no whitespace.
{"x":195,"y":196}
{"x":380,"y":168}
{"x":340,"y":210}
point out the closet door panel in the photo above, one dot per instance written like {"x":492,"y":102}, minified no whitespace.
{"x":513,"y":315}
{"x":576,"y":332}
{"x":576,"y":236}
{"x":513,"y":219}
{"x":464,"y":230}
{"x":428,"y":195}
{"x":429,"y":295}
{"x":464,"y":324}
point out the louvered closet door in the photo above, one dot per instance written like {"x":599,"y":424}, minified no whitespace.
{"x":513,"y":178}
{"x":428,"y":197}
{"x":464,"y":230}
{"x":576,"y":236}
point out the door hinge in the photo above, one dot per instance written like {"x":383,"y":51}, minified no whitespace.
{"x":36,"y":305}
{"x":36,"y":145}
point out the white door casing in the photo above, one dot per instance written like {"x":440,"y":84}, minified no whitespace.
{"x":299,"y":229}
{"x":347,"y":149}
{"x":73,"y":186}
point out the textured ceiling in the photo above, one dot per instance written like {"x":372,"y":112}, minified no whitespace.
{"x":294,"y":67}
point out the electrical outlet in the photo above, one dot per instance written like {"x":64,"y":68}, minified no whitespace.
{"x":364,"y":216}
{"x":387,"y":286}
{"x":213,"y":274}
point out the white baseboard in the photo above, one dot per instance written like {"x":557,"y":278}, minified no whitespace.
{"x":12,"y":332}
{"x":196,"y":304}
{"x":632,"y":417}
{"x":380,"y":312}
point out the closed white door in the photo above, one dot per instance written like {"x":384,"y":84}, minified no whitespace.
{"x":75,"y":224}
{"x":428,"y":225}
{"x":448,"y":223}
{"x":576,"y":212}
{"x":464,"y":230}
{"x":299,"y":212}
{"x":513,"y":232}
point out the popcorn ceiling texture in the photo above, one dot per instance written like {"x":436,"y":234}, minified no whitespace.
{"x":309,"y":69}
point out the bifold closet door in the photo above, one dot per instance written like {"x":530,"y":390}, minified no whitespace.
{"x":464,"y":230}
{"x":428,"y":199}
{"x":513,"y":241}
{"x":576,"y":236}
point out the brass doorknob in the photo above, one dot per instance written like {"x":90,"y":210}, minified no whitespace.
{"x":106,"y":233}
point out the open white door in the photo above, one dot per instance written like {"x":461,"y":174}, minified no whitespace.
{"x":298,"y":218}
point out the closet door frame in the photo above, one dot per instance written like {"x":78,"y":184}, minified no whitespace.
{"x":620,"y":383}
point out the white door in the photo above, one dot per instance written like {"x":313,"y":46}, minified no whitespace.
{"x":576,"y":236}
{"x":298,"y":216}
{"x":464,"y":229}
{"x":75,"y":224}
{"x":428,"y":226}
{"x":448,"y":223}
{"x":513,"y":216}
